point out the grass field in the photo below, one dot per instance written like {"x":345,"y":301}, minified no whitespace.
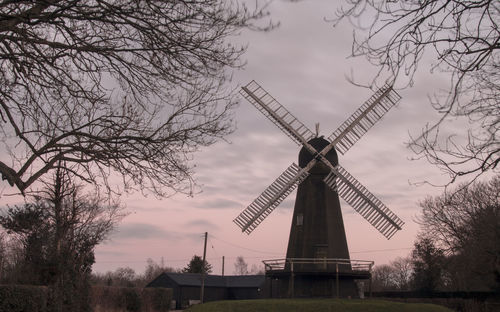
{"x":315,"y":305}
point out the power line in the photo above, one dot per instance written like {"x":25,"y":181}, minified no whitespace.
{"x":380,"y":250}
{"x":249,"y":249}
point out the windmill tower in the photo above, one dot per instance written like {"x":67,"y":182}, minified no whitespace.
{"x":317,"y":251}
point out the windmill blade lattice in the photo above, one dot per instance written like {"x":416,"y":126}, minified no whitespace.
{"x":364,"y":202}
{"x":364,"y":118}
{"x":277,"y":113}
{"x":263,"y":205}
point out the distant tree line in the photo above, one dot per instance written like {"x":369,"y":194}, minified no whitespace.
{"x":241,"y":267}
{"x":458,"y":248}
{"x":127,"y":277}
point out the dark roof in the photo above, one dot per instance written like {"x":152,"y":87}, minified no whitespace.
{"x":245,"y":280}
{"x":193,"y":279}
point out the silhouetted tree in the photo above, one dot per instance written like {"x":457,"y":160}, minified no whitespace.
{"x":466,"y":222}
{"x":463,"y":39}
{"x":240,"y":266}
{"x":116,"y":87}
{"x":59,"y":232}
{"x":428,"y":266}
{"x":196,"y":265}
{"x":26,"y":224}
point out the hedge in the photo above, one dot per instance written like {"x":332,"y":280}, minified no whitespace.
{"x":128,"y":299}
{"x":23,"y":298}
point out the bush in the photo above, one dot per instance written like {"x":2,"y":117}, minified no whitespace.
{"x":24,"y":298}
{"x":133,"y":302}
{"x":129,"y":299}
{"x":21,"y":298}
{"x":156,"y":299}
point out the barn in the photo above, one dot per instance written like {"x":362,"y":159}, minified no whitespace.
{"x":187,"y":286}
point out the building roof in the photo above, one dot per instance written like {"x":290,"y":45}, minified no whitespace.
{"x":244,"y":280}
{"x":194,"y":279}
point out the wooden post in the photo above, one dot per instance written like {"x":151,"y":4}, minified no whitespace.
{"x":270,"y":286}
{"x":222,"y":265}
{"x":292,"y":281}
{"x":337,"y":278}
{"x":203,"y":269}
{"x":370,"y":284}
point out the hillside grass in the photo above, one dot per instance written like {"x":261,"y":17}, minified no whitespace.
{"x":315,"y":305}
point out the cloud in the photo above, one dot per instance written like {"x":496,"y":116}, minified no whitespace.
{"x":201,"y":223}
{"x":110,"y":253}
{"x":142,"y":231}
{"x":218,"y":203}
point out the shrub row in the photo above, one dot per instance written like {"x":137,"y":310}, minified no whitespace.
{"x":128,"y":299}
{"x":23,"y":298}
{"x":457,"y":301}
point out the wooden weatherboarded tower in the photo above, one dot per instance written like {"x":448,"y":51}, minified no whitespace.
{"x":317,"y":262}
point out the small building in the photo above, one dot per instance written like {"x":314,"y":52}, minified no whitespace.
{"x":187,"y":287}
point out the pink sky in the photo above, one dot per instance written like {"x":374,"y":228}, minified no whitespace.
{"x":303,"y":64}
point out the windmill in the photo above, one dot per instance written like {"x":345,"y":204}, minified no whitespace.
{"x":317,"y":230}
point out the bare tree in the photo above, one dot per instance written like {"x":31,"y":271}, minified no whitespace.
{"x":467,"y":224}
{"x":154,"y":269}
{"x":394,"y":276}
{"x":402,"y":271}
{"x":257,"y":269}
{"x":383,"y":278}
{"x":464,"y":37}
{"x":11,"y":255}
{"x":107,"y":86}
{"x":3,"y":255}
{"x":240,"y":266}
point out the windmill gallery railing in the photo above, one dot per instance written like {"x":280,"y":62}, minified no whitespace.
{"x":331,"y":266}
{"x":354,"y":265}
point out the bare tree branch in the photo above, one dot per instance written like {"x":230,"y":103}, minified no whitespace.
{"x":465,"y":39}
{"x":107,"y":86}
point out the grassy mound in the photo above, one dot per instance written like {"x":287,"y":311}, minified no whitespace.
{"x":314,"y":305}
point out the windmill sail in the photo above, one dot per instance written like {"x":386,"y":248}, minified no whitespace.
{"x":263,"y":205}
{"x":364,"y":118}
{"x":277,"y":113}
{"x":364,"y":202}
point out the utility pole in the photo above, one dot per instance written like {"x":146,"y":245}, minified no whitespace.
{"x":222,"y":265}
{"x":203,"y":269}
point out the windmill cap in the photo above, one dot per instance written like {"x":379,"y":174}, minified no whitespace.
{"x":318,"y":143}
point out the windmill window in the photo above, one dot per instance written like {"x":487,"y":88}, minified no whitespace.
{"x":300,"y":219}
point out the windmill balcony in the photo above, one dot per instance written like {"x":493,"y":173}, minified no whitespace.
{"x":316,"y":277}
{"x":327,"y":266}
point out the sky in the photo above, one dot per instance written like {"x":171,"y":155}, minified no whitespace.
{"x":303,"y":64}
